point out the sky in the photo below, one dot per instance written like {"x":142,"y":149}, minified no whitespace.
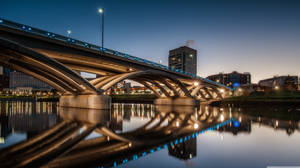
{"x":257,"y":36}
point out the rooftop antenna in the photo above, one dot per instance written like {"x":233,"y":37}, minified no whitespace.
{"x":189,"y":43}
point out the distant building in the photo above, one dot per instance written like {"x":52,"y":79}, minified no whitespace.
{"x":233,"y":79}
{"x":184,"y":59}
{"x":21,"y":80}
{"x":4,"y":77}
{"x":280,"y":82}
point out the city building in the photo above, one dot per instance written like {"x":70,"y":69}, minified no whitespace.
{"x":233,"y":79}
{"x":280,"y":82}
{"x":21,"y":80}
{"x":184,"y":59}
{"x":4,"y":77}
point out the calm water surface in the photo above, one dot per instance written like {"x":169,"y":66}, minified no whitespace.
{"x":258,"y":137}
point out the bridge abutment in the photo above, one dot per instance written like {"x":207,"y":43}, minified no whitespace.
{"x":98,"y":102}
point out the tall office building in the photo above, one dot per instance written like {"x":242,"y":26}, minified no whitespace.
{"x":183,"y":58}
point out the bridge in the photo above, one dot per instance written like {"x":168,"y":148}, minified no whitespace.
{"x":55,"y":59}
{"x":65,"y":144}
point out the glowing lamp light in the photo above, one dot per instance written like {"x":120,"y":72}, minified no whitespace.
{"x":196,"y":83}
{"x":196,"y":126}
{"x":177,"y":124}
{"x":236,"y":124}
{"x":222,"y":90}
{"x":100,"y":10}
{"x":276,"y":87}
{"x":222,"y":117}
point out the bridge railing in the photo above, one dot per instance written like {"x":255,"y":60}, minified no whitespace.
{"x":73,"y":41}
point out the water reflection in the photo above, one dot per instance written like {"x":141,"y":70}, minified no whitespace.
{"x":64,"y":137}
{"x":29,"y":117}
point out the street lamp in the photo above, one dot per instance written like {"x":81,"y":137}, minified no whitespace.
{"x":101,"y":11}
{"x":69,"y":32}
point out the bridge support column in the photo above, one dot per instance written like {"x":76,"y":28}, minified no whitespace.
{"x":98,"y":102}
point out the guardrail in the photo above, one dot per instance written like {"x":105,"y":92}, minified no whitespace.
{"x":73,"y":41}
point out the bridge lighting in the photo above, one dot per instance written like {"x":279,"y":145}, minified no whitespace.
{"x":1,"y":21}
{"x":130,"y":144}
{"x":222,"y":90}
{"x":177,"y":124}
{"x":276,"y":87}
{"x":240,"y":90}
{"x":196,"y":126}
{"x":196,"y":83}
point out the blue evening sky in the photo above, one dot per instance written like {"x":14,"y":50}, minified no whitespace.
{"x":259,"y":36}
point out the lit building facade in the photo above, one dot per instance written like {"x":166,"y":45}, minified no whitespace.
{"x":183,"y":58}
{"x":233,"y":79}
{"x":21,"y":80}
{"x":283,"y":82}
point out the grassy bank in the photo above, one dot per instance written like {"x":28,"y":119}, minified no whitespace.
{"x":255,"y":98}
{"x":28,"y":98}
{"x":133,"y":98}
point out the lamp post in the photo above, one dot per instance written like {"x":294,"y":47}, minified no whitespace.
{"x":101,"y":11}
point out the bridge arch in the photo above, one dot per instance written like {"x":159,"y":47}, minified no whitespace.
{"x":152,"y":76}
{"x":60,"y":77}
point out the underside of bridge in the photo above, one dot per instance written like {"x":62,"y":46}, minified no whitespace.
{"x":56,"y":63}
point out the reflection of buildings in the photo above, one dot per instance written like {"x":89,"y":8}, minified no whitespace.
{"x":245,"y":127}
{"x":29,"y":117}
{"x":233,"y":79}
{"x":279,"y":119}
{"x":185,"y":150}
{"x":288,"y":125}
{"x":124,"y":112}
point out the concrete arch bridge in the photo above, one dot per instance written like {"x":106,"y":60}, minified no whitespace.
{"x":55,"y":59}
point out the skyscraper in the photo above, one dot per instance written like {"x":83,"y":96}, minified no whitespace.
{"x":183,"y":58}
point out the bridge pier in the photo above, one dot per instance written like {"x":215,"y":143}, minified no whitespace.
{"x":98,"y":102}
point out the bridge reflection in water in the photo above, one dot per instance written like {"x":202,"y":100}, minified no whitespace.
{"x":89,"y":138}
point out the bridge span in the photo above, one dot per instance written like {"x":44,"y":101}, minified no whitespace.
{"x":54,"y":59}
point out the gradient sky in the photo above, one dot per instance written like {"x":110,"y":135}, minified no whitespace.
{"x":260,"y":37}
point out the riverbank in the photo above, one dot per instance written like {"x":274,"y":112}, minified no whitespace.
{"x":133,"y":98}
{"x":29,"y":98}
{"x":273,"y":98}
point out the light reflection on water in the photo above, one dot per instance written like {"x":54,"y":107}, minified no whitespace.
{"x":265,"y":136}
